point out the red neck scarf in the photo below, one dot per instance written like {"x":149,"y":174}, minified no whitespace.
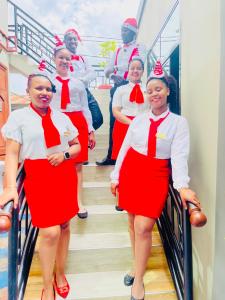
{"x":65,"y":92}
{"x":51,"y":134}
{"x":136,"y":94}
{"x":75,"y":57}
{"x":152,"y":135}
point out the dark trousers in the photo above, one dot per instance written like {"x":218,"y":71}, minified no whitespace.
{"x":112,"y":119}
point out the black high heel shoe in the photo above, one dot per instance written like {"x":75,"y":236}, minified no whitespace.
{"x":132,"y":297}
{"x":128,"y":280}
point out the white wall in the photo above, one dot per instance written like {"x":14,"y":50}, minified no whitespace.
{"x":201,"y":101}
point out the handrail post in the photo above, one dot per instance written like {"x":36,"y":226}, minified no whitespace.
{"x":13,"y":257}
{"x":187,"y":246}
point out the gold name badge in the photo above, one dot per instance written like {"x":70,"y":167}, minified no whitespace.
{"x":161,"y":135}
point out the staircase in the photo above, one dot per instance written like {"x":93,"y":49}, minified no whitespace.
{"x":99,"y":251}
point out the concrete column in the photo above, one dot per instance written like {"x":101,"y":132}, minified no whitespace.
{"x":202,"y":101}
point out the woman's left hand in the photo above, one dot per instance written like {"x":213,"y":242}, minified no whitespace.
{"x":187,"y":195}
{"x":56,"y":159}
{"x":91,"y":140}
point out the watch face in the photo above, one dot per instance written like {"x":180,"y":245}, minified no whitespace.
{"x":66,"y":155}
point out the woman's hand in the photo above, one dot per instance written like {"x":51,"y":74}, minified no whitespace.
{"x":114,"y":188}
{"x":187,"y":195}
{"x":56,"y":159}
{"x":9,"y":194}
{"x":91,"y":140}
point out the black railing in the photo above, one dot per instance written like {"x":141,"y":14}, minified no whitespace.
{"x":34,"y":40}
{"x":175,"y":230}
{"x":21,"y":243}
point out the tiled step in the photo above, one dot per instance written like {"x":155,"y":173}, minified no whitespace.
{"x":100,"y":224}
{"x":98,"y":196}
{"x":114,"y":255}
{"x":92,"y":172}
{"x":97,"y":154}
{"x":109,"y":285}
{"x":112,"y":223}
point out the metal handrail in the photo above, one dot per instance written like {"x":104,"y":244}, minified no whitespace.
{"x":175,"y":230}
{"x":21,"y":243}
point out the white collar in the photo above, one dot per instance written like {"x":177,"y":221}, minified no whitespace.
{"x":64,"y":78}
{"x":132,"y":84}
{"x":155,"y":118}
{"x":129,"y":44}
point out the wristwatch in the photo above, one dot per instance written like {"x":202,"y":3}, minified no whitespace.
{"x":66,"y":155}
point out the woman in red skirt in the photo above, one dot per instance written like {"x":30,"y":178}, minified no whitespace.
{"x":44,"y":140}
{"x":71,"y":99}
{"x":141,"y":174}
{"x":128,"y":102}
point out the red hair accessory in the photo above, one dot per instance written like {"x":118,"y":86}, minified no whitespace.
{"x":58,"y":42}
{"x":71,"y":68}
{"x":72,"y":30}
{"x":158,"y":70}
{"x":42,"y":65}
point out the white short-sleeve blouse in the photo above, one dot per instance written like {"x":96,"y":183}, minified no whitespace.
{"x":25,"y":127}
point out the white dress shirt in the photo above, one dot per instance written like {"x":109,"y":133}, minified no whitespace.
{"x":78,"y":98}
{"x":83,"y":70}
{"x":25,"y":127}
{"x":124,"y":57}
{"x":121,"y":98}
{"x":172,"y":143}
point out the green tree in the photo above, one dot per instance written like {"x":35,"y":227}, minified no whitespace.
{"x":106,"y":48}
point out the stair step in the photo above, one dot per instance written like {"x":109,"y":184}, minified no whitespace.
{"x":101,"y":224}
{"x":103,"y":259}
{"x":92,"y":172}
{"x":97,"y":154}
{"x":98,"y":196}
{"x":83,"y":286}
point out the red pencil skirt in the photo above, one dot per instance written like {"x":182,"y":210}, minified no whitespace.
{"x":51,"y":192}
{"x":80,"y":123}
{"x":143,"y":184}
{"x":118,"y":135}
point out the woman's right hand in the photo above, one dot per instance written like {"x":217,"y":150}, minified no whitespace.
{"x":114,"y":188}
{"x":9,"y":194}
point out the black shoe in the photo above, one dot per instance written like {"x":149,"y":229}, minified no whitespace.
{"x":105,"y":162}
{"x":132,"y":297}
{"x":86,"y":163}
{"x":128,"y":280}
{"x":82,"y":215}
{"x":118,"y":208}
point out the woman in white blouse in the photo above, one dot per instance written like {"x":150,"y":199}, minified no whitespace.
{"x":141,"y":174}
{"x":71,"y":98}
{"x":128,"y":102}
{"x":44,"y":140}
